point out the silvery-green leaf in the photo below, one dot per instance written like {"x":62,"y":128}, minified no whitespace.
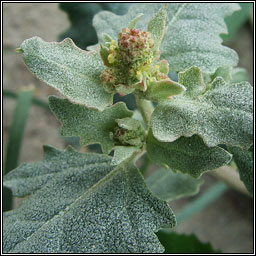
{"x":239,"y":75}
{"x":106,"y":38}
{"x":133,"y":23}
{"x":224,"y":72}
{"x":82,"y":204}
{"x":229,"y":74}
{"x":163,"y":66}
{"x":188,"y":155}
{"x":237,"y":20}
{"x":162,"y":90}
{"x":169,"y":186}
{"x":192,"y":34}
{"x":221,"y":115}
{"x":244,"y":163}
{"x":73,"y":72}
{"x":156,"y":27}
{"x":92,"y":126}
{"x":104,"y":55}
{"x":123,"y":153}
{"x":30,"y":177}
{"x":130,"y":124}
{"x":193,"y":81}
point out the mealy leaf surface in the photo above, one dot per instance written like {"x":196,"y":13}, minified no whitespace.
{"x":79,"y":203}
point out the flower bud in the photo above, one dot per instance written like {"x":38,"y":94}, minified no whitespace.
{"x":129,"y":132}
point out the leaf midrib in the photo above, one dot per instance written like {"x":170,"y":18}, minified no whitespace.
{"x":56,"y":172}
{"x":175,"y":16}
{"x":82,"y":196}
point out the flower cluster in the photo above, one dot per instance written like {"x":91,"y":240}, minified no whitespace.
{"x":128,"y":138}
{"x":130,"y":62}
{"x":128,"y":132}
{"x":135,"y":48}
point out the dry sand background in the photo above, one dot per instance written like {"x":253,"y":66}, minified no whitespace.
{"x":227,"y":223}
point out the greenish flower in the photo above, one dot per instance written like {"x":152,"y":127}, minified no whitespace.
{"x":129,"y":132}
{"x":130,"y":62}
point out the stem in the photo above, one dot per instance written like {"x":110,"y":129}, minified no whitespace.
{"x":146,"y":108}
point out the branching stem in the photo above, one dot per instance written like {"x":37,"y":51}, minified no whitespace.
{"x":146,"y":108}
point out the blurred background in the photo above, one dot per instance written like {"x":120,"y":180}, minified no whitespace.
{"x":227,"y":222}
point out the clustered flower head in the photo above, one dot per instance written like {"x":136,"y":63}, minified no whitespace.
{"x":135,"y":48}
{"x":130,"y":62}
{"x":128,"y":132}
{"x":128,"y":138}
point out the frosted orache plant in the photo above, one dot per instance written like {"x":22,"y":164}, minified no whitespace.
{"x":96,"y":203}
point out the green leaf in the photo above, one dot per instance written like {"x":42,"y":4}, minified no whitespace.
{"x":133,"y":23}
{"x":30,"y":177}
{"x":239,"y":75}
{"x":169,"y":186}
{"x":192,"y":34}
{"x":237,"y":20}
{"x":130,"y":124}
{"x":229,"y":74}
{"x":193,"y":81}
{"x":123,"y":153}
{"x":92,"y":126}
{"x":221,"y":115}
{"x":224,"y":72}
{"x":181,"y":243}
{"x":244,"y":162}
{"x":81,"y":204}
{"x":162,"y":90}
{"x":188,"y":155}
{"x":156,"y":27}
{"x":193,"y":37}
{"x":73,"y":72}
{"x":104,"y":55}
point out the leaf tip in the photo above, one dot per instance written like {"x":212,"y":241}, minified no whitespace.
{"x":18,"y":50}
{"x":49,"y":150}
